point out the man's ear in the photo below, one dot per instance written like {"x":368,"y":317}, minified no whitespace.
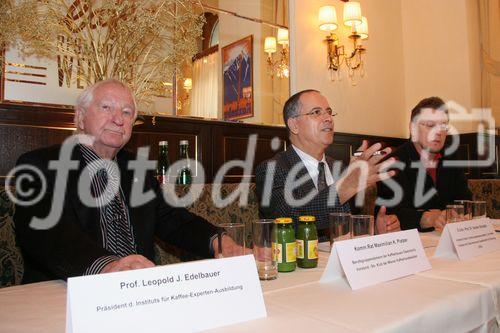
{"x":293,"y":125}
{"x":79,"y":119}
{"x":413,"y":130}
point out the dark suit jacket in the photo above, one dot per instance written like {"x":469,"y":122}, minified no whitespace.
{"x":75,"y":242}
{"x":451,"y":185}
{"x":318,"y":206}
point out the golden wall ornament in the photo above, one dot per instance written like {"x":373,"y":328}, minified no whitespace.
{"x":142,"y":43}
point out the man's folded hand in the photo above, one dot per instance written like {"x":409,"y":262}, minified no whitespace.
{"x":134,"y":261}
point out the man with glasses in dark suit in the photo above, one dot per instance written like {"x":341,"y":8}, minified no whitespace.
{"x":427,"y":185}
{"x":300,"y":181}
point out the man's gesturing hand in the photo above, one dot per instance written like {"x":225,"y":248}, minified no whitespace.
{"x":364,"y":171}
{"x":386,"y":223}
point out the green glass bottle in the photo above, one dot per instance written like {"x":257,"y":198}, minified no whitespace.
{"x":163,"y":163}
{"x":285,"y":248}
{"x":184,"y":177}
{"x":307,"y":242}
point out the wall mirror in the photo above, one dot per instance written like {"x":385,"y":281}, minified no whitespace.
{"x":241,"y":70}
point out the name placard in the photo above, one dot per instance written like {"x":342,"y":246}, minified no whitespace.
{"x":176,"y":298}
{"x":370,"y":260}
{"x":467,"y":239}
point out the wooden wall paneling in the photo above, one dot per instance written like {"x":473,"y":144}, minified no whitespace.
{"x":32,"y":115}
{"x":464,"y":153}
{"x":340,"y":151}
{"x":345,"y":144}
{"x":493,"y":170}
{"x":173,"y":130}
{"x":470,"y":140}
{"x":28,"y":127}
{"x":355,"y":140}
{"x":230,"y":142}
{"x":16,"y":140}
{"x":213,"y":143}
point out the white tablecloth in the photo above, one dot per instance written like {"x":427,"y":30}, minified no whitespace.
{"x":452,"y":297}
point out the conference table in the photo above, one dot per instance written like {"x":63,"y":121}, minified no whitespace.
{"x":454,"y":296}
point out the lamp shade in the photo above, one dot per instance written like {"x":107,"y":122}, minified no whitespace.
{"x":188,"y":83}
{"x":270,"y":45}
{"x":362,"y":29}
{"x":327,"y":18}
{"x":352,"y":13}
{"x":282,"y":36}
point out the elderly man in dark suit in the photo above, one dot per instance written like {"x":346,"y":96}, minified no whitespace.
{"x":312,"y":189}
{"x":62,"y":234}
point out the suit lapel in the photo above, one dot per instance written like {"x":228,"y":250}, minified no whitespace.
{"x":126,"y":182}
{"x":428,"y":181}
{"x":88,"y":217}
{"x":293,"y":159}
{"x":330,"y":161}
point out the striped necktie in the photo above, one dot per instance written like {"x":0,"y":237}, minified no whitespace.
{"x":119,"y":238}
{"x":116,"y":229}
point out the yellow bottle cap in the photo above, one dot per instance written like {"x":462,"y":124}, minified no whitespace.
{"x":283,"y":220}
{"x":307,"y":219}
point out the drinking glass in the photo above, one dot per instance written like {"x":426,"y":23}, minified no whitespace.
{"x":454,"y":213}
{"x":478,"y":209}
{"x":263,"y":236}
{"x":467,"y":208}
{"x":340,"y":227}
{"x":237,"y":233}
{"x":362,"y":225}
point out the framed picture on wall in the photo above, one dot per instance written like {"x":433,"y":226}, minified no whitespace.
{"x":237,"y":72}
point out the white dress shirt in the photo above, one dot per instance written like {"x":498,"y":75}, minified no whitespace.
{"x":312,"y":167}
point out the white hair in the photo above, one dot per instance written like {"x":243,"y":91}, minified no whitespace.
{"x":87,"y":96}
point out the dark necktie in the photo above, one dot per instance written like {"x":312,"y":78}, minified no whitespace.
{"x":321,"y":177}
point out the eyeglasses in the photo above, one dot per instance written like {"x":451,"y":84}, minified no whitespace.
{"x":318,"y":112}
{"x":430,"y":125}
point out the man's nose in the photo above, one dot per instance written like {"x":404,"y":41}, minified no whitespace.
{"x":437,"y":134}
{"x":118,"y":117}
{"x":327,"y":117}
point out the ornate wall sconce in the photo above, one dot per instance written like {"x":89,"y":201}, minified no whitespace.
{"x":337,"y":54}
{"x":277,"y":67}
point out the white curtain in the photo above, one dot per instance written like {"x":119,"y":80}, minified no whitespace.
{"x":205,"y":92}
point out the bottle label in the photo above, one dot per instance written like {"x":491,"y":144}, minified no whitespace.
{"x":184,"y":177}
{"x":300,"y":249}
{"x":312,"y":249}
{"x":162,"y":179}
{"x":291,"y":252}
{"x":278,"y":252}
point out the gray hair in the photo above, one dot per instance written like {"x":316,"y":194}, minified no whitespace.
{"x":87,"y":96}
{"x":293,"y":105}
